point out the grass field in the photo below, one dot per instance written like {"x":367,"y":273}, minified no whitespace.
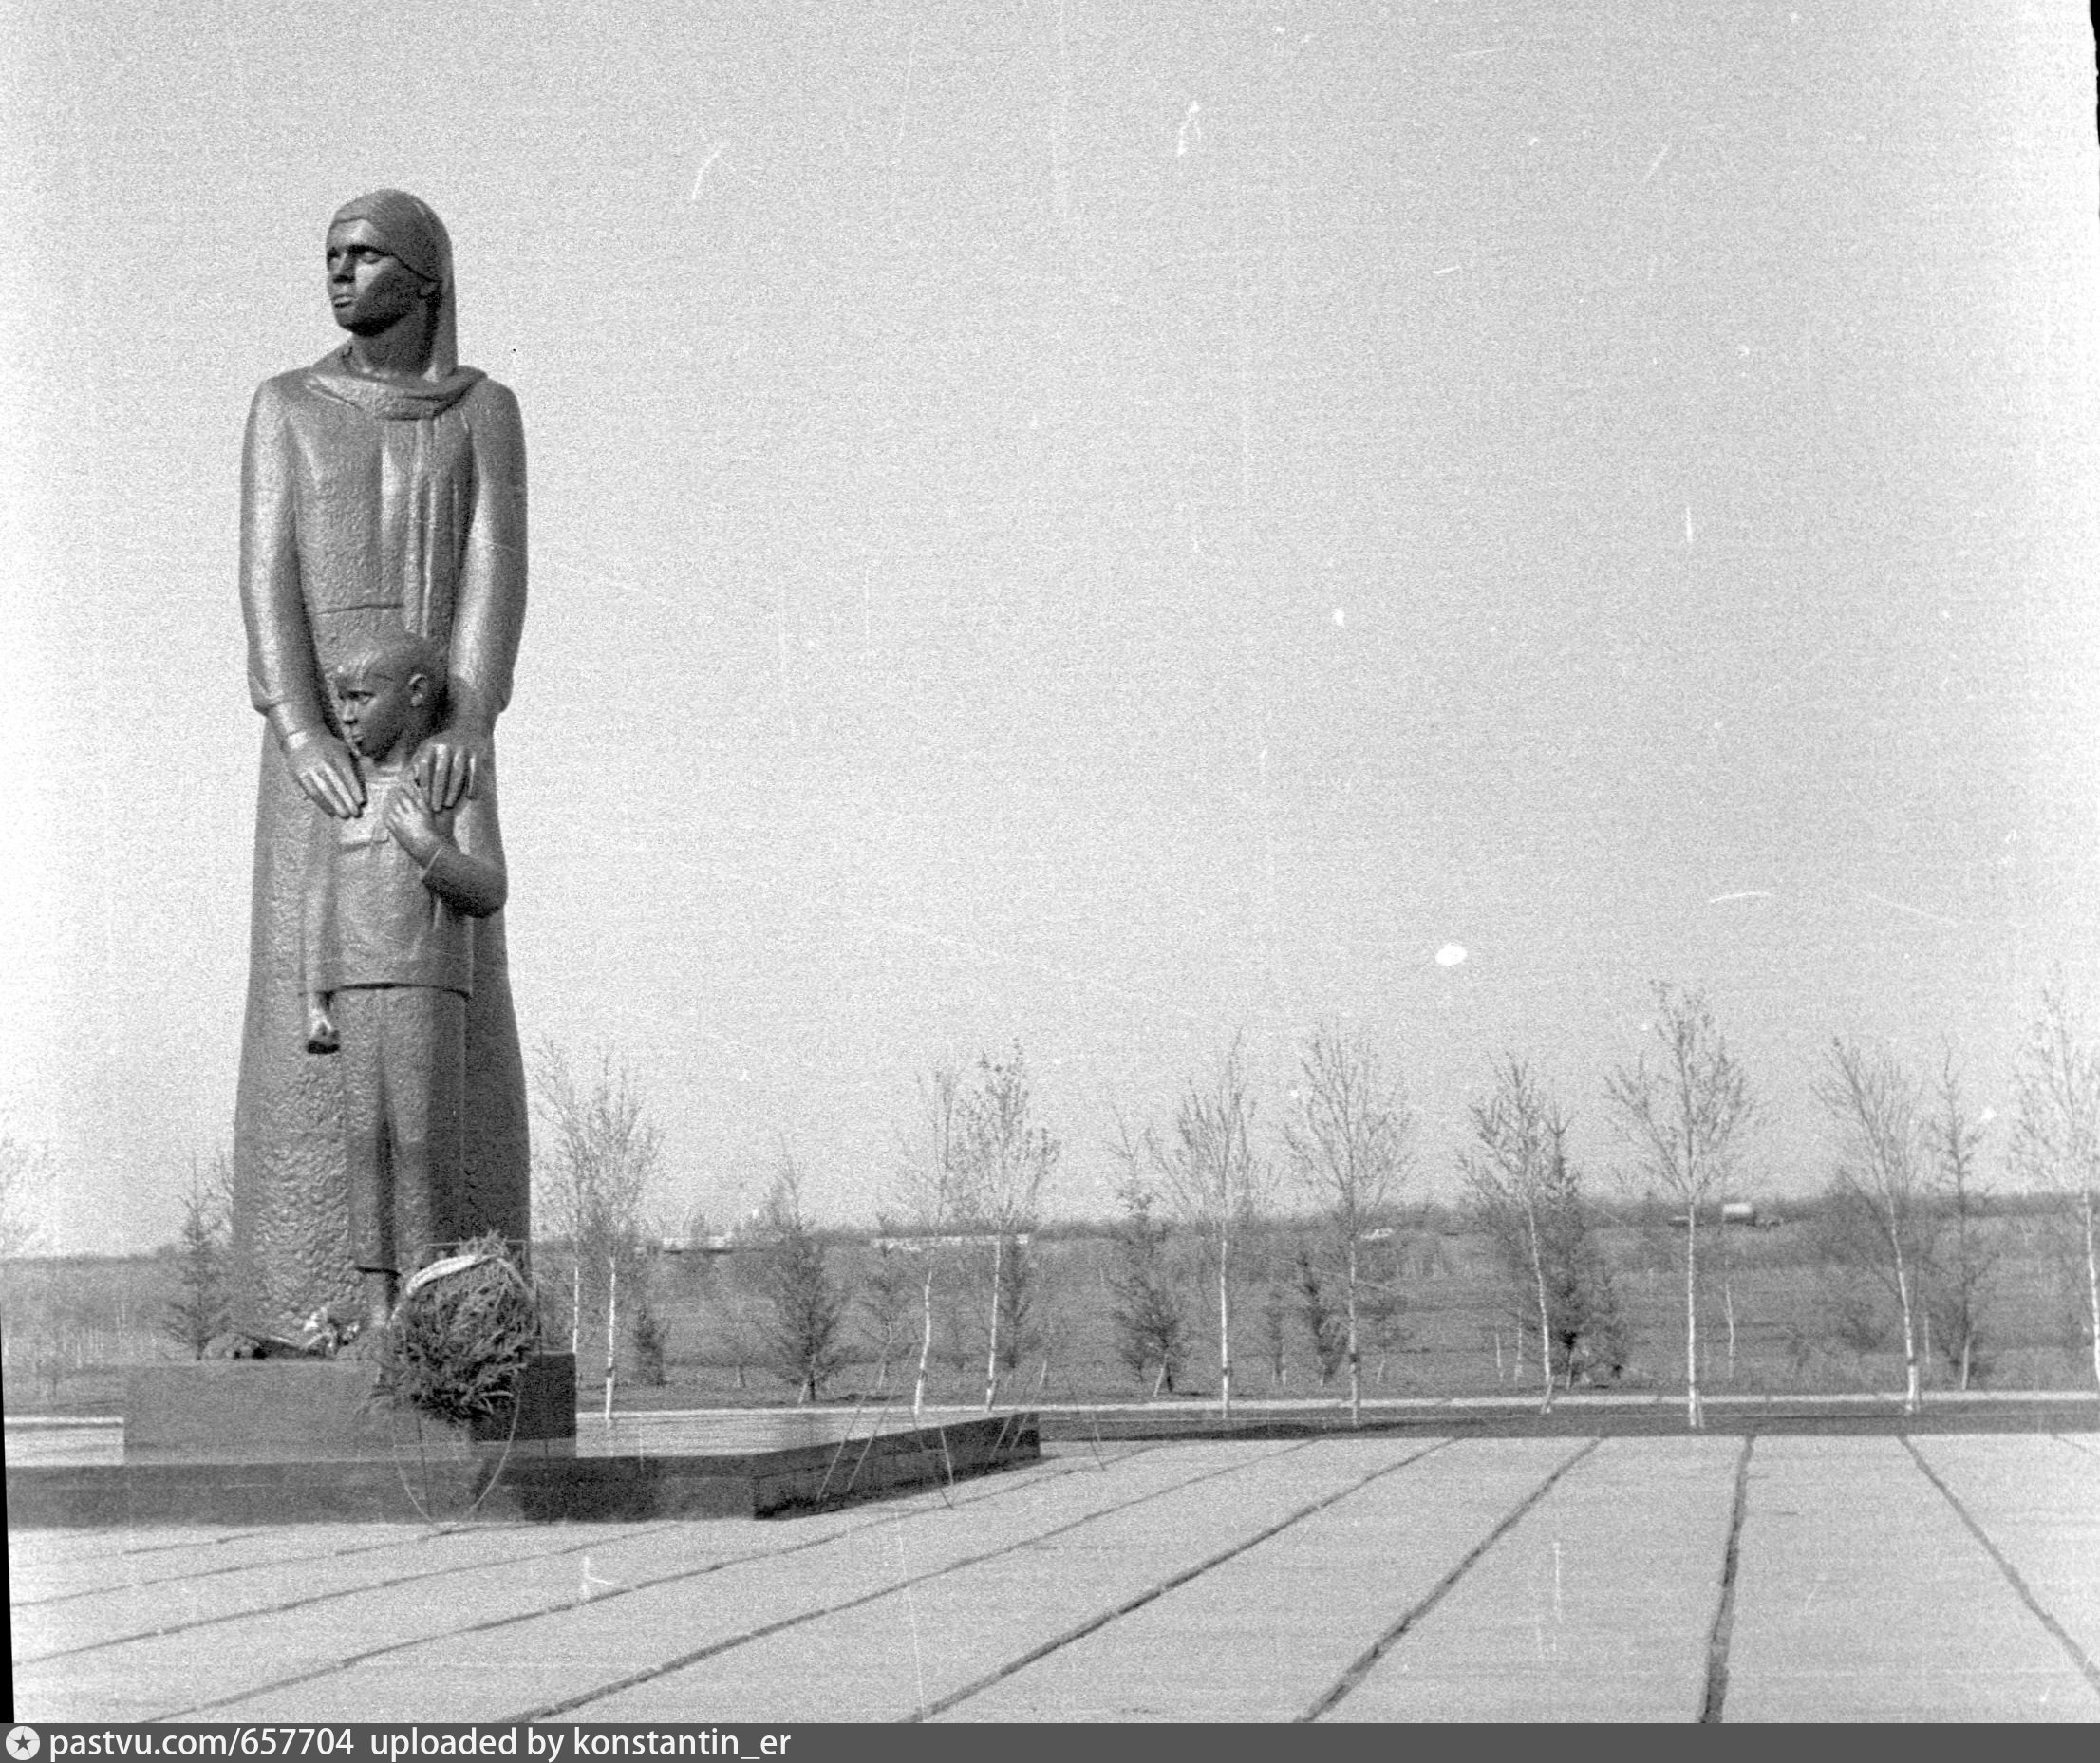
{"x":72,"y":1327}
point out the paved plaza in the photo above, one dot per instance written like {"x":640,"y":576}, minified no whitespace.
{"x":1784,"y":1577}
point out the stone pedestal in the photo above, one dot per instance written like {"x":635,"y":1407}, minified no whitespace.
{"x":296,"y":1410}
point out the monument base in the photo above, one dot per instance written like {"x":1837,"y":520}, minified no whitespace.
{"x":297,"y":1410}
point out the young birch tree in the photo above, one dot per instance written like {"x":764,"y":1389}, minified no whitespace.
{"x":2056,"y":1134}
{"x":1879,"y":1182}
{"x":1684,"y":1114}
{"x":1348,"y":1143}
{"x":1509,"y":1170}
{"x":1214,"y":1180}
{"x":1959,"y":1291}
{"x":594,"y":1176}
{"x":1003,"y":1158}
{"x":928,"y":1189}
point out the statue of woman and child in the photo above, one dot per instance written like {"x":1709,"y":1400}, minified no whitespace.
{"x":381,"y":1119}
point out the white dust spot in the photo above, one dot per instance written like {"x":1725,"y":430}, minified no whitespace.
{"x":1191,"y":132}
{"x":1451,"y":955}
{"x":1342,"y":618}
{"x":714,"y":154}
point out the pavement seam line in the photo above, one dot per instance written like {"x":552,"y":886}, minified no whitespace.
{"x":119,"y":1554}
{"x":422,"y":1538}
{"x":980,"y":1491}
{"x":955,"y":1697}
{"x":312,"y":1598}
{"x":1360,"y":1667}
{"x":158,"y":1549}
{"x":2084,"y":1451}
{"x":1724,"y":1612}
{"x":2077,"y":1653}
{"x":635,"y":1679}
{"x":346,"y":1662}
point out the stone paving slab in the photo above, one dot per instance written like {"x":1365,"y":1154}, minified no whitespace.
{"x":1264,"y":1636}
{"x":1862,"y":1593}
{"x":403,"y":1568}
{"x":1596,"y":1606}
{"x":1862,"y":1596}
{"x":884,"y":1658}
{"x":737,"y":1575}
{"x":148,"y":1676}
{"x":2041,"y":1510}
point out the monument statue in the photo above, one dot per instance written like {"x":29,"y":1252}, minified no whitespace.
{"x":382,"y":496}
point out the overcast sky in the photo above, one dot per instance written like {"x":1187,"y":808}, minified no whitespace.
{"x":1106,"y":526}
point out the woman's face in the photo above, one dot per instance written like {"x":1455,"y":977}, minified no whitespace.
{"x":369,"y":287}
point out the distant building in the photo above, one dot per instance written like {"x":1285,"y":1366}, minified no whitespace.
{"x":1742,"y":1212}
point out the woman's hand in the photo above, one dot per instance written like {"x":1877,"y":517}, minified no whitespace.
{"x":322,"y":767}
{"x":449,"y":766}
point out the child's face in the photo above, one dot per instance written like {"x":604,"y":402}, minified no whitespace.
{"x":375,"y":709}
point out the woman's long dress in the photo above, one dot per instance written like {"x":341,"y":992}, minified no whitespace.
{"x":364,"y":503}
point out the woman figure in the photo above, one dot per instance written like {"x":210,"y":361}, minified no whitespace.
{"x":383,"y":486}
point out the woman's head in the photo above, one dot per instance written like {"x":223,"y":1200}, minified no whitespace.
{"x":405,"y":228}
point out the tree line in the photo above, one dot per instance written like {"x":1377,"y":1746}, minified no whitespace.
{"x":1203,"y":1191}
{"x":1200,"y":1193}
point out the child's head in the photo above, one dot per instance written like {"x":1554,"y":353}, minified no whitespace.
{"x":388,"y":691}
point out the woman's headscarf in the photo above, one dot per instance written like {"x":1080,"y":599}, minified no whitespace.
{"x":413,"y":234}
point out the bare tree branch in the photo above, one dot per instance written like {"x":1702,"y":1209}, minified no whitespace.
{"x":1003,"y":1158}
{"x":2056,"y":1135}
{"x":1213,"y":1178}
{"x":1879,"y":1180}
{"x":1684,"y":1116}
{"x":592,"y":1175}
{"x":928,"y":1186}
{"x":1348,"y":1142}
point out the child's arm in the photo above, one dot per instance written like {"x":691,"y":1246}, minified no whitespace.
{"x":465,"y":870}
{"x":317,"y":920}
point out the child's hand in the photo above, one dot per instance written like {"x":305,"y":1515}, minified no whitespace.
{"x":409,"y":820}
{"x":321,"y":1031}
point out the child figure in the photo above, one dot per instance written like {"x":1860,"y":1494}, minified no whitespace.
{"x":391,"y":896}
